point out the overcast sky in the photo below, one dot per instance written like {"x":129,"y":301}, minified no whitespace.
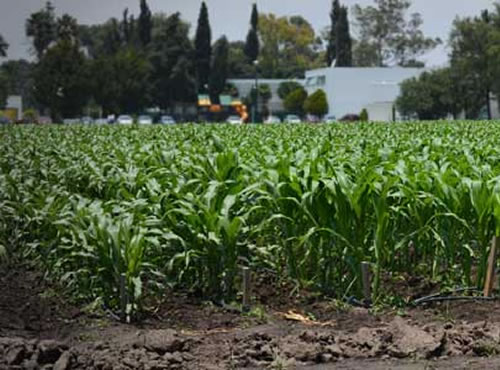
{"x":229,"y":17}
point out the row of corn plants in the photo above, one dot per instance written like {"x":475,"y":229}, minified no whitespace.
{"x":188,"y":206}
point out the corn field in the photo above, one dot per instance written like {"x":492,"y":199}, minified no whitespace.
{"x":188,"y":206}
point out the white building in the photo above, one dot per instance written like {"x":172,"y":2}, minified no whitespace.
{"x":350,"y":90}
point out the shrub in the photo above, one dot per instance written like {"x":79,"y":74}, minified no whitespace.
{"x":316,"y":104}
{"x":294,"y":102}
{"x":363,"y":116}
{"x":30,"y":116}
{"x":287,"y":87}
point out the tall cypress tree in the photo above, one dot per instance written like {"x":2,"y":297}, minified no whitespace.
{"x":203,"y":49}
{"x":331,"y":50}
{"x":220,"y":68}
{"x":343,"y":40}
{"x":145,"y":24}
{"x":126,"y":27}
{"x":252,"y":42}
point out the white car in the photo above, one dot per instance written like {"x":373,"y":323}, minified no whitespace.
{"x":292,"y":118}
{"x":272,"y":119}
{"x":124,"y":120}
{"x":167,"y":120}
{"x":330,"y":119}
{"x":101,"y":121}
{"x":234,"y":120}
{"x":86,"y":120}
{"x":145,"y":120}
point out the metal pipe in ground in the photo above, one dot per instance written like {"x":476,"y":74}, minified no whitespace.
{"x":366,"y":279}
{"x":247,"y":289}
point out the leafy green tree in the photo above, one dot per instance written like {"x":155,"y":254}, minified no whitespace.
{"x":121,"y":82}
{"x":343,"y":40}
{"x":252,"y":43}
{"x":19,"y":80}
{"x":231,"y":89}
{"x":433,"y":95}
{"x":4,"y":92}
{"x":67,"y":28}
{"x":285,"y":88}
{"x":473,"y":56}
{"x":203,"y":48}
{"x":316,"y":104}
{"x":62,"y":80}
{"x":101,"y":39}
{"x":387,"y":37}
{"x":3,"y":47}
{"x":173,"y":75}
{"x":238,"y":66}
{"x":219,"y":69}
{"x":289,"y":46}
{"x":42,"y":28}
{"x":294,"y":102}
{"x":145,"y":24}
{"x":331,"y":49}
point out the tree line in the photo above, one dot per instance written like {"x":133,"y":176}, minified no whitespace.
{"x":471,"y":81}
{"x":129,"y":63}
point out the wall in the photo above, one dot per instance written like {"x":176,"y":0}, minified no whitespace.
{"x":349,"y":90}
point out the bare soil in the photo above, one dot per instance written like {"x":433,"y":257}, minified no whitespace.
{"x":40,"y":329}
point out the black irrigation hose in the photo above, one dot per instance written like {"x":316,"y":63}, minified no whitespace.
{"x":357,"y":303}
{"x":451,"y":298}
{"x":439,"y":297}
{"x":441,"y":294}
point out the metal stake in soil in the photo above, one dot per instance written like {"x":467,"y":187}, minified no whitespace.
{"x":365,"y":273}
{"x":247,"y":291}
{"x":123,"y":298}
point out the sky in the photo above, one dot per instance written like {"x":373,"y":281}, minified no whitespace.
{"x":230,"y":17}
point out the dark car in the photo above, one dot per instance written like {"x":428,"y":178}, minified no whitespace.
{"x":4,"y":120}
{"x":350,"y":118}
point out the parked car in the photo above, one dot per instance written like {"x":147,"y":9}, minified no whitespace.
{"x":101,"y":121}
{"x":86,"y":120}
{"x":292,"y":118}
{"x":145,"y":120}
{"x":4,"y":120}
{"x":330,"y":119}
{"x":71,"y":121}
{"x":350,"y":118}
{"x":311,"y":118}
{"x":234,"y":120}
{"x":272,"y":119}
{"x":167,"y":120}
{"x":125,"y":120}
{"x":44,"y":120}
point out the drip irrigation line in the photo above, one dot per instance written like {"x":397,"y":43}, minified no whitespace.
{"x":441,"y":297}
{"x":442,"y":294}
{"x":357,"y":303}
{"x":451,"y":298}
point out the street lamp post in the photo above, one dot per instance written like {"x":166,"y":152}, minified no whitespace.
{"x":256,"y":102}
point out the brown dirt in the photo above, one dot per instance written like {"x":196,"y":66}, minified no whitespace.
{"x":40,"y":330}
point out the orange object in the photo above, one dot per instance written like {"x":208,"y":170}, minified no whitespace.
{"x":215,"y":108}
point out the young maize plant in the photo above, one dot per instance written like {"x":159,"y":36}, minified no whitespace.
{"x":189,"y":206}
